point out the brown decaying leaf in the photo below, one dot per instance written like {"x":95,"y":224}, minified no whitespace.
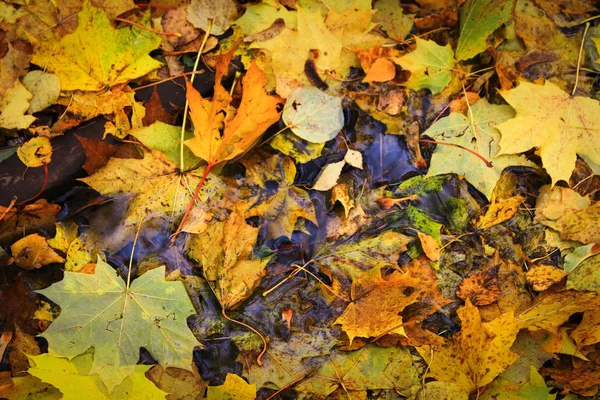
{"x":99,"y":152}
{"x":480,"y":287}
{"x":155,"y":111}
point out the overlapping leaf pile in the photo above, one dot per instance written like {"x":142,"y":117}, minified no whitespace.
{"x":359,"y":199}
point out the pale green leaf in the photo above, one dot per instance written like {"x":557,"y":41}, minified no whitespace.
{"x":45,"y":88}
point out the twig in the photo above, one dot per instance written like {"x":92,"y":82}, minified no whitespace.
{"x":45,"y":165}
{"x":11,"y":205}
{"x":587,"y":25}
{"x":168,"y":79}
{"x":176,"y":34}
{"x":482,"y":158}
{"x":264,"y":350}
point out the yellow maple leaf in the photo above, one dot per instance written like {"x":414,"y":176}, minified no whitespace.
{"x":221,"y":132}
{"x":477,"y":354}
{"x":561,"y":126}
{"x":97,"y":56}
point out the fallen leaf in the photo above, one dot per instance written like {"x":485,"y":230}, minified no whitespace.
{"x":542,"y":276}
{"x":180,"y":384}
{"x":430,"y":246}
{"x":33,"y":252}
{"x":299,"y":149}
{"x":329,"y":176}
{"x":117,"y":320}
{"x":45,"y":89}
{"x":430,"y":66}
{"x":475,"y":355}
{"x":261,"y":16}
{"x":212,"y":16}
{"x":234,"y":388}
{"x":97,"y":56}
{"x":475,"y":132}
{"x":73,"y":377}
{"x":499,"y":211}
{"x":534,"y":389}
{"x":31,"y":218}
{"x":580,"y":225}
{"x":36,"y":152}
{"x":481,"y":287}
{"x":257,"y":111}
{"x":14,"y":103}
{"x":382,"y":70}
{"x":313,"y":115}
{"x":586,"y":275}
{"x":561,"y":126}
{"x":478,"y":20}
{"x":230,"y":268}
{"x":99,"y":152}
{"x":396,"y":25}
{"x":283,"y":208}
{"x":354,"y":158}
{"x":588,"y":330}
{"x":551,"y":311}
{"x":376,"y":312}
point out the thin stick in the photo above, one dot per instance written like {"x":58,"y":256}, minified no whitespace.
{"x":168,"y":79}
{"x":176,"y":34}
{"x":45,"y":165}
{"x":135,"y":239}
{"x":187,"y":103}
{"x":482,"y":158}
{"x":191,"y":204}
{"x":264,"y":350}
{"x":589,"y":19}
{"x":587,"y":25}
{"x":290,"y":385}
{"x":11,"y":205}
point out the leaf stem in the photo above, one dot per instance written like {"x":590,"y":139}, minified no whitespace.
{"x":264,"y":350}
{"x":187,"y":104}
{"x":171,"y":78}
{"x":587,"y":25}
{"x":10,"y":206}
{"x":482,"y":158}
{"x":176,"y":34}
{"x":192,"y":202}
{"x":45,"y":165}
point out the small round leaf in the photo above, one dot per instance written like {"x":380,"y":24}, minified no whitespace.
{"x":313,"y":115}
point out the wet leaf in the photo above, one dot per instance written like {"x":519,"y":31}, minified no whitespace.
{"x":117,"y":320}
{"x":234,"y":388}
{"x":476,"y":132}
{"x":14,"y":103}
{"x":478,"y":20}
{"x":241,"y":128}
{"x":313,"y":115}
{"x":33,"y":252}
{"x":329,"y":176}
{"x":568,"y":126}
{"x":72,"y":378}
{"x":430,"y":66}
{"x":96,"y":55}
{"x":475,"y":355}
{"x":36,"y":152}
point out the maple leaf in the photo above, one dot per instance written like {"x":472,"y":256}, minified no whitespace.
{"x":257,"y":111}
{"x":234,"y":388}
{"x":229,"y":268}
{"x":100,"y":310}
{"x":375,"y":311}
{"x":371,"y":367}
{"x":478,"y":20}
{"x":158,"y":193}
{"x":430,"y":66}
{"x":73,"y":378}
{"x":282,"y":208}
{"x":475,"y":132}
{"x":97,"y":56}
{"x":561,"y":126}
{"x":475,"y":355}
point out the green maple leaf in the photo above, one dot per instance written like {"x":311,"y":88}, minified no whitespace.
{"x":97,"y":55}
{"x":430,"y":66}
{"x":477,"y":133}
{"x":100,"y":310}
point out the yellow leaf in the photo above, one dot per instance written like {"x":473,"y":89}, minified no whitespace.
{"x":33,"y":252}
{"x":475,"y":355}
{"x":234,"y":388}
{"x":541,"y":277}
{"x":375,"y":311}
{"x":382,"y":70}
{"x":35,"y":152}
{"x":14,"y":103}
{"x":256,"y":113}
{"x":561,"y":126}
{"x":97,"y":56}
{"x":229,"y":266}
{"x":499,"y":211}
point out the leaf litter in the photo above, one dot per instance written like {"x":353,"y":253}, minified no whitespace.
{"x":353,"y":200}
